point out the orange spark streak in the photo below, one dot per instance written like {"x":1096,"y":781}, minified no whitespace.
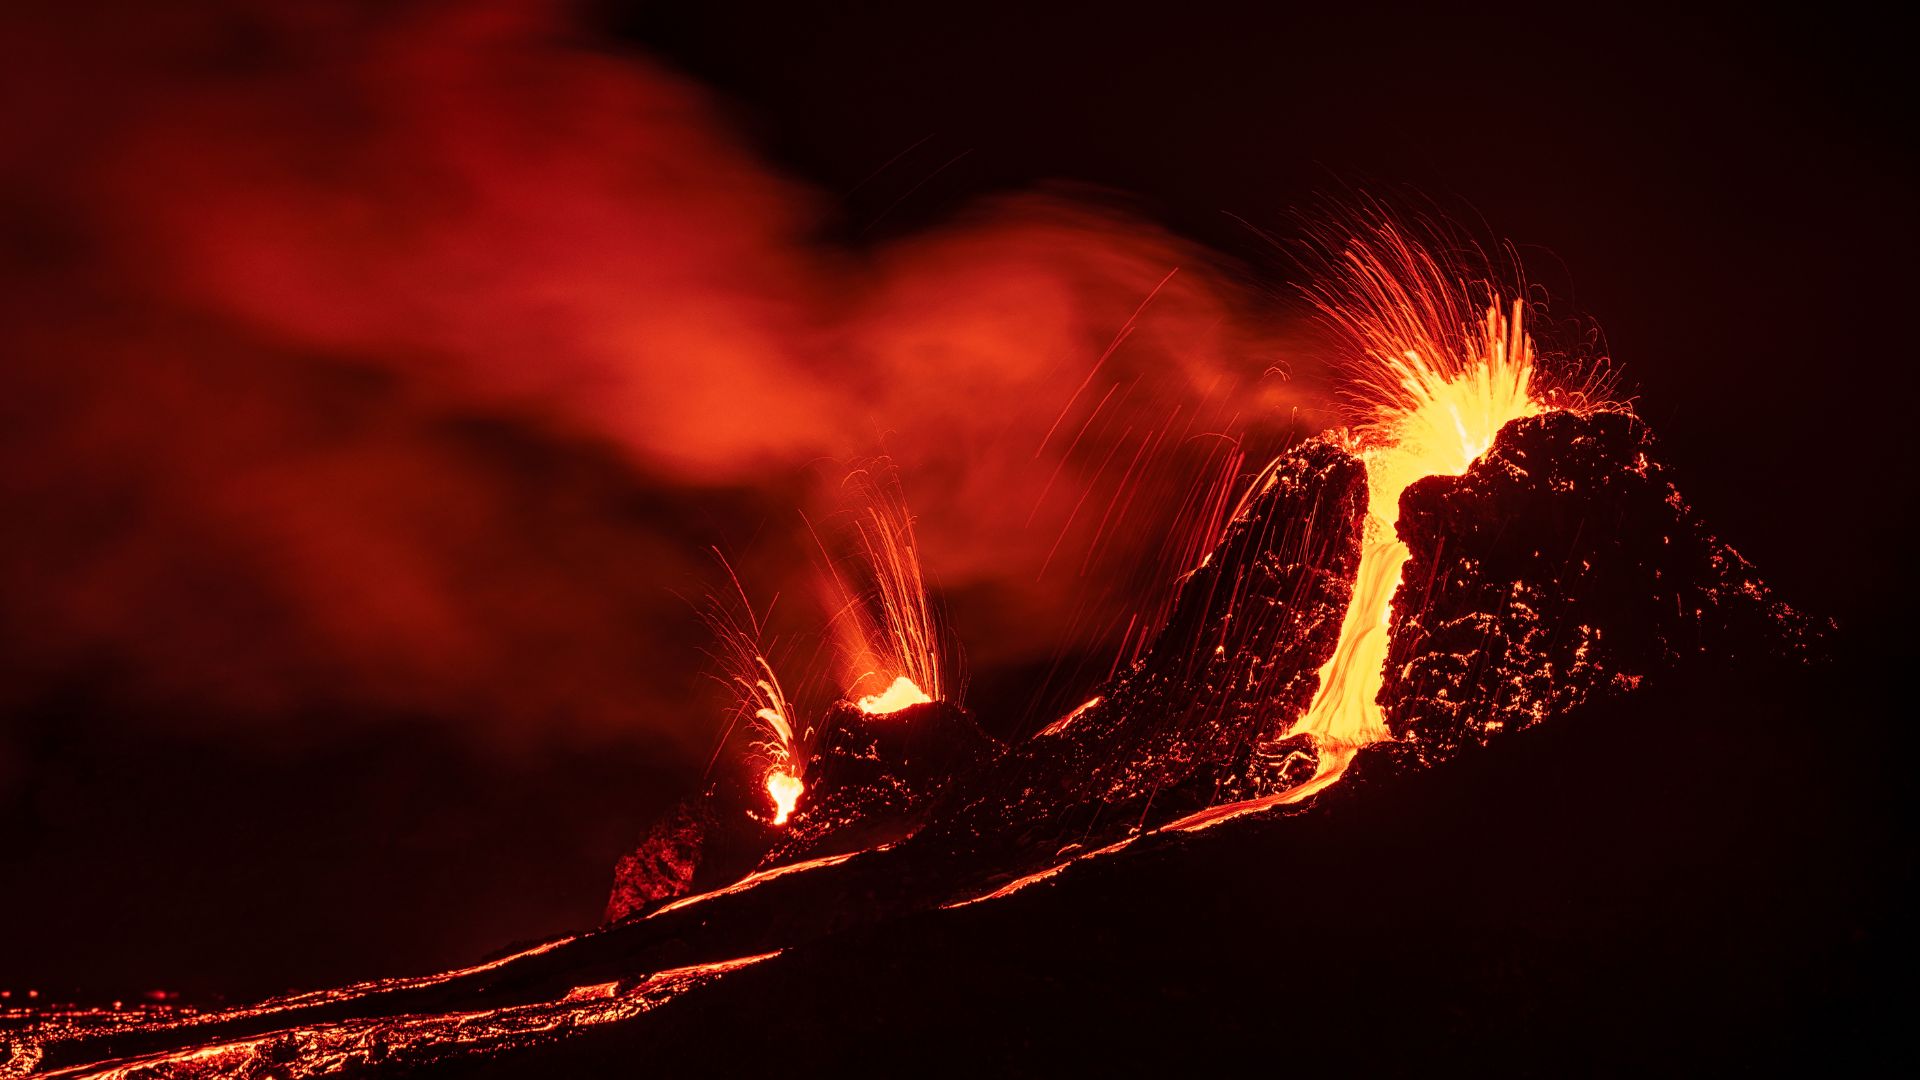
{"x":889,"y":631}
{"x":745,"y":669}
{"x":1439,"y":387}
{"x":1126,"y":331}
{"x":1060,"y":725}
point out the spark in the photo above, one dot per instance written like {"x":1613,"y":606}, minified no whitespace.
{"x":1433,"y":384}
{"x":739,"y":632}
{"x":890,"y":631}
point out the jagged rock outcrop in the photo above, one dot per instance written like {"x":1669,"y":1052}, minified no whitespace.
{"x":1562,"y":567}
{"x":1195,"y":720}
{"x":875,"y":777}
{"x":704,"y":841}
{"x":662,"y":867}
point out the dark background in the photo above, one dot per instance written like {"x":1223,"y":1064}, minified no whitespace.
{"x":1728,"y":197}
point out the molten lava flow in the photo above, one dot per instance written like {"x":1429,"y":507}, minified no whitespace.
{"x":1439,"y":388}
{"x":1079,"y":711}
{"x":413,"y":1040}
{"x":902,"y":693}
{"x":761,"y":877}
{"x":785,"y":789}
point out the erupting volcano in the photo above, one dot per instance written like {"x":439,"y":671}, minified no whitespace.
{"x":1488,"y":544}
{"x":559,"y":539}
{"x":1436,"y":388}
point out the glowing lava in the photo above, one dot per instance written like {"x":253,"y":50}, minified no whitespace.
{"x":784,"y":783}
{"x":785,"y":789}
{"x":1438,"y":386}
{"x":888,"y":627}
{"x":902,"y":693}
{"x":744,"y":669}
{"x":1081,"y":710}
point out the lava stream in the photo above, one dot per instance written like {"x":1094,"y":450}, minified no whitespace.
{"x":1437,"y":412}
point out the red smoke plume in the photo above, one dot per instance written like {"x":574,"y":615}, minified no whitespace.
{"x":404,"y":357}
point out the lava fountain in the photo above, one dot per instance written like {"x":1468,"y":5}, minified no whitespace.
{"x":889,"y":632}
{"x":1434,"y":386}
{"x":785,"y":790}
{"x":744,"y":670}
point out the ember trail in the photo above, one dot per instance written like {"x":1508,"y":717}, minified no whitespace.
{"x":1437,"y":388}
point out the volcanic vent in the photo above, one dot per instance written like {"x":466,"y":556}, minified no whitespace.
{"x":1490,"y":544}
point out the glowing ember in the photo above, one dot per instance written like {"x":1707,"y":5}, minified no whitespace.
{"x":1061,"y":724}
{"x":1437,"y":386}
{"x":745,"y":670}
{"x":785,"y":789}
{"x":902,"y":693}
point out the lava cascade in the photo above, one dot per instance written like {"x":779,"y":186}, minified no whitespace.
{"x":1435,"y":387}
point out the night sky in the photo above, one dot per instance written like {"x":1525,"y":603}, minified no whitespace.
{"x":377,"y":380}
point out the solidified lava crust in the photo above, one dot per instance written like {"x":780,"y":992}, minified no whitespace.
{"x":875,"y":777}
{"x":1564,"y":566}
{"x":1198,"y":719}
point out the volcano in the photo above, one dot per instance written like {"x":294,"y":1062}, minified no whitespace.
{"x":938,"y":892}
{"x":470,"y":469}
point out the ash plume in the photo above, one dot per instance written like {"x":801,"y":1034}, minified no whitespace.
{"x":405,"y":358}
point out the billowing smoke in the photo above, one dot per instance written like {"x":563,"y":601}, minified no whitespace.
{"x":408,"y":358}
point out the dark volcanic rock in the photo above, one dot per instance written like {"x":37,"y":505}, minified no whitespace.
{"x":876,"y":776}
{"x":1562,"y":567}
{"x":1199,"y":719}
{"x":705,"y":841}
{"x":874,"y":780}
{"x":662,"y":867}
{"x":1195,"y":721}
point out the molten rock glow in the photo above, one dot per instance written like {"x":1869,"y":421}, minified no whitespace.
{"x":902,"y":693}
{"x":1438,"y":388}
{"x":785,"y":789}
